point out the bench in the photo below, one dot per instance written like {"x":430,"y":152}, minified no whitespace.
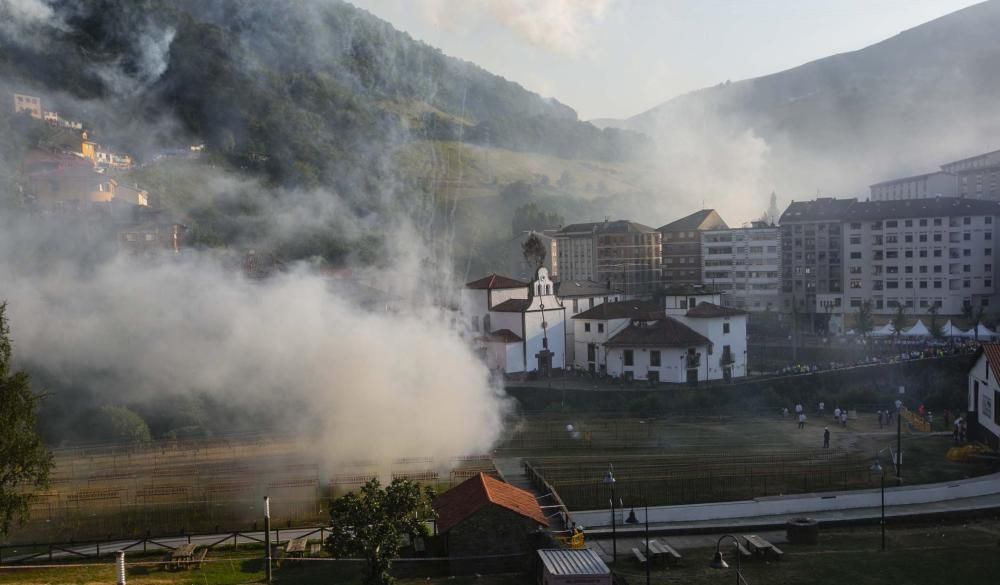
{"x":777,"y":552}
{"x":199,"y":558}
{"x":743,"y":550}
{"x":673,"y":556}
{"x":167,"y":561}
{"x":639,"y":556}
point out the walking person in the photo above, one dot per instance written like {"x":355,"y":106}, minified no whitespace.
{"x":958,"y":427}
{"x":826,"y":437}
{"x":802,"y":421}
{"x":843,"y":418}
{"x":836,"y":414}
{"x":881,"y":418}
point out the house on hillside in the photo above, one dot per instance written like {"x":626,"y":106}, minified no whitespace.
{"x":984,"y":396}
{"x":484,"y":516}
{"x":518,"y":327}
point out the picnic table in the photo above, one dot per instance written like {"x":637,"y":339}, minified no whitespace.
{"x":182,"y":555}
{"x":760,"y":547}
{"x":659,"y":550}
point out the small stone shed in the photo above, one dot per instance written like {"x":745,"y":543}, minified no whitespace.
{"x":485,"y":516}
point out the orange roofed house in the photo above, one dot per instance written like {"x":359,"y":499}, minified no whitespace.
{"x":484,"y":516}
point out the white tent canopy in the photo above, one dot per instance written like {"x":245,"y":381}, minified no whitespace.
{"x":982,"y":331}
{"x":949,"y":330}
{"x":918,"y":330}
{"x":886,"y":330}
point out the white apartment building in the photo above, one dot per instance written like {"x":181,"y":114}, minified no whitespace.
{"x":919,"y":253}
{"x":937,"y":184}
{"x":576,"y":249}
{"x":625,"y":253}
{"x":745,"y":263}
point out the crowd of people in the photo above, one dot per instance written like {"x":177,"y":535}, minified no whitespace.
{"x":927,"y":352}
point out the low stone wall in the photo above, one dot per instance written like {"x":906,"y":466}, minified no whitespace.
{"x":937,"y":383}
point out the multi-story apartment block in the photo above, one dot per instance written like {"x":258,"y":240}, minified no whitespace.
{"x":624,"y":254}
{"x":937,"y":184}
{"x":978,"y":176}
{"x":811,"y":254}
{"x":576,"y":253}
{"x":682,"y":260}
{"x":746,"y":263}
{"x":918,"y":254}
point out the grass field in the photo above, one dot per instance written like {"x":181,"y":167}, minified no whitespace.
{"x":699,"y":459}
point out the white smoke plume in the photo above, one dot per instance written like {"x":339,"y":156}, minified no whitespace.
{"x":561,"y":26}
{"x":21,"y":19}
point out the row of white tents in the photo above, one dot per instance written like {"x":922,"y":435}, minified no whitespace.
{"x":921,"y":330}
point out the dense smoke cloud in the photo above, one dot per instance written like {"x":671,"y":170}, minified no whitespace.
{"x":320,"y":355}
{"x":561,"y":26}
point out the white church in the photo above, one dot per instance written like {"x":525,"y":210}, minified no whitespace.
{"x":520,"y":327}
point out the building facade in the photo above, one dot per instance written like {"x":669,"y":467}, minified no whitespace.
{"x":917,"y":254}
{"x":812,"y":268}
{"x":937,"y":184}
{"x":580,"y":296}
{"x":623,"y":253}
{"x":745,"y":263}
{"x":682,"y":250}
{"x":28,"y":103}
{"x":978,"y":176}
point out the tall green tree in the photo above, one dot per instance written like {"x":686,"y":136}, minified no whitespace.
{"x":898,"y":321}
{"x":863,"y":322}
{"x":975,"y":317}
{"x":936,"y":328}
{"x":24,"y":462}
{"x":370,"y":524}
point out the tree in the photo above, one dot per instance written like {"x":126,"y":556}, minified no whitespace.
{"x":975,"y":316}
{"x":863,"y":322}
{"x":120,"y":424}
{"x":370,"y":524}
{"x":936,"y":328}
{"x":533,"y":250}
{"x":898,"y":321}
{"x":531,"y":217}
{"x":24,"y":462}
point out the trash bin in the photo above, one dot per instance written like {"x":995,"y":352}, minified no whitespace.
{"x":802,"y":531}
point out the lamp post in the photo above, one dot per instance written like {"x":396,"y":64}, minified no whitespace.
{"x":877,"y":468}
{"x":267,"y":539}
{"x":645,"y":504}
{"x":720,"y":563}
{"x":609,"y":479}
{"x":899,"y":443}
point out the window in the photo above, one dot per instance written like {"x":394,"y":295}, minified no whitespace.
{"x":988,"y":235}
{"x":908,"y":254}
{"x":966,"y":236}
{"x":908,"y":238}
{"x":923,"y":284}
{"x":937,"y":237}
{"x":966,"y":252}
{"x":922,"y":238}
{"x":988,"y":219}
{"x":855,"y":255}
{"x":988,"y":252}
{"x":966,"y":283}
{"x":987,"y":283}
{"x":891,"y":223}
{"x":967,"y":220}
{"x":856,"y":225}
{"x":937,"y":284}
{"x":923,"y":253}
{"x":600,"y":327}
{"x":856,"y":240}
{"x":591,"y":352}
{"x":966,"y":268}
{"x":586,"y":327}
{"x":923,"y":223}
{"x":654,"y":358}
{"x":908,"y":223}
{"x":937,"y":221}
{"x":629,"y":358}
{"x":937,"y":253}
{"x":725,"y":328}
{"x":576,"y":306}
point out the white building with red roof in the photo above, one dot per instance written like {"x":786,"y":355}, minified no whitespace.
{"x":984,"y":396}
{"x":519,"y":327}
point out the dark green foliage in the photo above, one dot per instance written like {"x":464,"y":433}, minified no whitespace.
{"x":863,"y":322}
{"x":121,"y":425}
{"x":370,"y":524}
{"x":24,"y":462}
{"x":531,"y":217}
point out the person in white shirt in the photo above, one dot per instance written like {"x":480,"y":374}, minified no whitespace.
{"x":802,"y":421}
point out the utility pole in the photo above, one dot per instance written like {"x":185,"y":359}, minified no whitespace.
{"x":267,"y":539}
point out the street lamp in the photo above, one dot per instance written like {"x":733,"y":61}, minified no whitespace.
{"x":720,"y":563}
{"x":609,"y":479}
{"x":899,"y":443}
{"x":877,"y":468}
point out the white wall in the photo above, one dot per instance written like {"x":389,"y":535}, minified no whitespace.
{"x":782,"y":505}
{"x":581,"y":338}
{"x":672,"y":366}
{"x":987,"y":404}
{"x":736,"y":339}
{"x":679,"y":304}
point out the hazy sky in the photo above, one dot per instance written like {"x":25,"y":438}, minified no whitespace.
{"x":617,"y":58}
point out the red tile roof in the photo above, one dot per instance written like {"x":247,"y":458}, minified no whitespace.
{"x":468,"y":497}
{"x":704,"y":310}
{"x":623,"y":310}
{"x":512,"y":306}
{"x":666,"y":332}
{"x":992,"y":351}
{"x":495,"y":281}
{"x":504,"y":335}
